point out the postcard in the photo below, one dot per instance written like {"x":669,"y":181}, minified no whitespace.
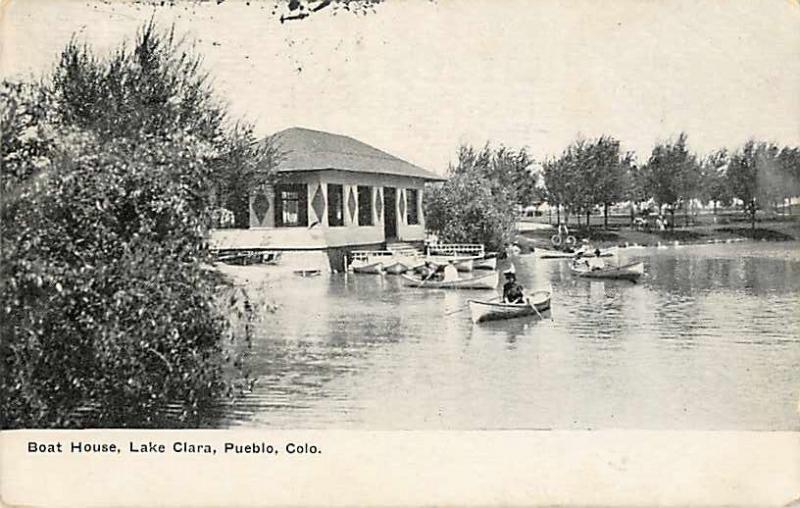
{"x":400,"y":252}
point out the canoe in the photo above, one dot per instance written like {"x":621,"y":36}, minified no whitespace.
{"x":493,"y":310}
{"x":396,"y":267}
{"x":486,"y":264}
{"x":630,"y":272}
{"x":367,"y":267}
{"x":559,"y":254}
{"x":487,"y":281}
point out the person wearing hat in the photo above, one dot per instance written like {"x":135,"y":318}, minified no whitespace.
{"x":512,"y":292}
{"x":596,"y":263}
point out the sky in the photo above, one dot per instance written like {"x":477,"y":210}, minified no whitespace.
{"x":417,"y":78}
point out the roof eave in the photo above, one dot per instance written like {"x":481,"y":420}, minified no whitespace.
{"x":431,"y":177}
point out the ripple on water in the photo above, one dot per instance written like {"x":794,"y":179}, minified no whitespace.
{"x":709,"y":339}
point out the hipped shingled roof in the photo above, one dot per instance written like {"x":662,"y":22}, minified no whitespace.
{"x":310,"y":150}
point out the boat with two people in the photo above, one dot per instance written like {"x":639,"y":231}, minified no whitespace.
{"x":488,"y":280}
{"x":630,"y":271}
{"x":569,"y":253}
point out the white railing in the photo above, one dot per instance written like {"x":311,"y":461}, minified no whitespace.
{"x":456,"y":249}
{"x":365,"y":255}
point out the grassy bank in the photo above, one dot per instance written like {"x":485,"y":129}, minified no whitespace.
{"x":703,"y":231}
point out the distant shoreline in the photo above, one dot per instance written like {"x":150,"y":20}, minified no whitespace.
{"x":617,"y":234}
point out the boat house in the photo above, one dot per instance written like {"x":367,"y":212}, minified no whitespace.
{"x":333,"y":194}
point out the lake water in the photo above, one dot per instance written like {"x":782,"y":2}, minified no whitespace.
{"x":708,"y":339}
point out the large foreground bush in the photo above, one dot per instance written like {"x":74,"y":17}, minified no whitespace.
{"x":110,"y":316}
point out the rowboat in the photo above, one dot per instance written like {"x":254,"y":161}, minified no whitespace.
{"x":308,"y":273}
{"x":397,"y":264}
{"x":630,"y":272}
{"x":395,"y":268}
{"x":560,"y":254}
{"x":492,"y":310}
{"x":487,"y":281}
{"x":486,"y":264}
{"x":367,"y":267}
{"x":447,"y":260}
{"x":250,"y":258}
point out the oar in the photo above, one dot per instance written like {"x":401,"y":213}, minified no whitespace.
{"x":462,"y":309}
{"x":533,"y":306}
{"x":433,"y":272}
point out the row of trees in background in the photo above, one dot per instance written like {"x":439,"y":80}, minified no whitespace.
{"x":594,"y":173}
{"x":478,"y":203}
{"x":109,"y":316}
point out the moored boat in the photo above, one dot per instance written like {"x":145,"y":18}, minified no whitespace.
{"x":371,"y":267}
{"x":396,"y":267}
{"x":560,"y":254}
{"x":487,"y":281}
{"x":631,"y":271}
{"x":486,"y":264}
{"x":493,"y":310}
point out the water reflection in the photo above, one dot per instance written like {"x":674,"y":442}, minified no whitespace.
{"x":707,"y":340}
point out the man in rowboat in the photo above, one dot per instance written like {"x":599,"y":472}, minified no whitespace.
{"x":512,"y":292}
{"x":596,"y":263}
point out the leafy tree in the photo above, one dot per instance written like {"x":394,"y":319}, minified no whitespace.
{"x":751,"y":175}
{"x":507,"y":170}
{"x":607,"y":166}
{"x":714,"y":184}
{"x":588,"y":173}
{"x":464,"y":210}
{"x":789,"y":160}
{"x":477,"y":203}
{"x":564,"y":182}
{"x":672,"y":175}
{"x":109,"y":316}
{"x":245,"y":164}
{"x":556,"y":182}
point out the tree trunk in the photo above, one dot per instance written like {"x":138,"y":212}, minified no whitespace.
{"x":588,"y":215}
{"x":715,"y":206}
{"x":605,"y":215}
{"x":753,"y":216}
{"x":632,"y":216}
{"x":558,"y":215}
{"x":672,"y":218}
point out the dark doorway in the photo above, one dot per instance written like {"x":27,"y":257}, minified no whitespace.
{"x":389,"y":213}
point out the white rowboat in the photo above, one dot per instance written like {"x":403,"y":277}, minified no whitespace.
{"x":486,"y":264}
{"x":630,"y":272}
{"x":493,"y":310}
{"x":487,"y":281}
{"x":367,"y":267}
